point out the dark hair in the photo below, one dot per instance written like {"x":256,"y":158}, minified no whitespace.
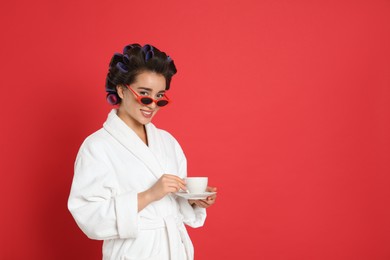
{"x":124,"y":68}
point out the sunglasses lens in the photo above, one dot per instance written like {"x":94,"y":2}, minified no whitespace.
{"x":162,"y":103}
{"x":146,"y":101}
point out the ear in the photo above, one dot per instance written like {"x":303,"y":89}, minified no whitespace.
{"x":119,"y":90}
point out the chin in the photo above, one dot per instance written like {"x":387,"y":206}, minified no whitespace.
{"x":145,"y":121}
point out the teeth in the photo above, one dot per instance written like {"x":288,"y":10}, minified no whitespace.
{"x":147,"y":112}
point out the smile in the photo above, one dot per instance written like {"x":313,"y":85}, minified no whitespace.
{"x":147,"y":114}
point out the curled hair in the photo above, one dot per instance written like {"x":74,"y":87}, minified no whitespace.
{"x":124,"y":68}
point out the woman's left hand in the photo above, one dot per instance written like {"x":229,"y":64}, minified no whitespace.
{"x":210,"y":200}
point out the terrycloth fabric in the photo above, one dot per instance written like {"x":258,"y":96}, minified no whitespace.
{"x":113,"y":165}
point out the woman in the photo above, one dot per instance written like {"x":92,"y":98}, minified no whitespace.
{"x":127,"y":173}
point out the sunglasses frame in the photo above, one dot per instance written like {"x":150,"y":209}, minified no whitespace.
{"x":139,"y":98}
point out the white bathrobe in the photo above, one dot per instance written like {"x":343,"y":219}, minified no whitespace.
{"x":113,"y":165}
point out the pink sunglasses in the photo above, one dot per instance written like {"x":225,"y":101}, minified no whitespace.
{"x":148,"y":100}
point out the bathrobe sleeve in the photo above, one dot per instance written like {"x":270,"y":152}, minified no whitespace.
{"x":193,"y":216}
{"x":100,"y":210}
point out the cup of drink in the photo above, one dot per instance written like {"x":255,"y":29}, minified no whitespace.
{"x":196,"y":184}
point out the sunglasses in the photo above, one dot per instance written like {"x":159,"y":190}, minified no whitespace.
{"x":148,"y":100}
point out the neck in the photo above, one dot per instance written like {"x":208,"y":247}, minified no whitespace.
{"x":138,"y":128}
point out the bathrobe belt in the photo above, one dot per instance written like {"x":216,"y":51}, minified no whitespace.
{"x":175,"y":230}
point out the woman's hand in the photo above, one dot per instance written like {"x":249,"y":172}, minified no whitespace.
{"x":210,"y":200}
{"x":167,"y":183}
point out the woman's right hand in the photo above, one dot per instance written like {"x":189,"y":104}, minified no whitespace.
{"x":167,"y":183}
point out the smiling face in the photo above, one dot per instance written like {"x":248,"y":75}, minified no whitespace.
{"x":134,"y":114}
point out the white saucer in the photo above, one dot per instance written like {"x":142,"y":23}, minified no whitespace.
{"x":194,"y":196}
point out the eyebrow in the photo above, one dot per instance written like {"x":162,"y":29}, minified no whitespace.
{"x":149,"y":89}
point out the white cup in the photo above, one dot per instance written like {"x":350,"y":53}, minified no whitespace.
{"x":196,"y":184}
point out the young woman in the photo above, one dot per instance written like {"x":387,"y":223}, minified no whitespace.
{"x":127,"y":173}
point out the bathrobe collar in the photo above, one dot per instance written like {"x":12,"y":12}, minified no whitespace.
{"x":131,"y":141}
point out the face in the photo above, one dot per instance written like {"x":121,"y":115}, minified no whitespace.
{"x":134,"y":114}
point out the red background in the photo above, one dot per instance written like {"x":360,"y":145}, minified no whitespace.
{"x":283,"y":104}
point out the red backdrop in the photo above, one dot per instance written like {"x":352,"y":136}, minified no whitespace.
{"x":283,"y":104}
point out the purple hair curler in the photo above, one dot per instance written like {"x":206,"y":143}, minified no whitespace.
{"x":126,"y":59}
{"x":112,"y":98}
{"x":149,"y":55}
{"x":122,"y":67}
